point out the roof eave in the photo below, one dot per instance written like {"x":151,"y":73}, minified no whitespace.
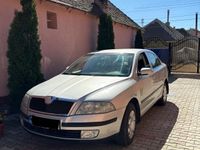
{"x":68,"y":5}
{"x":135,"y":25}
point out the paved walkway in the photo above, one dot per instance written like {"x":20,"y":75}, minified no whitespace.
{"x":174,"y":126}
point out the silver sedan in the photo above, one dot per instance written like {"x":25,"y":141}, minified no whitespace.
{"x":100,"y":95}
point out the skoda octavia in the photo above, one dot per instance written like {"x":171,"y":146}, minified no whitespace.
{"x":100,"y":95}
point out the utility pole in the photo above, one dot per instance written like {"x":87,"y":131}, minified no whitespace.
{"x":198,"y":55}
{"x":196,"y":24}
{"x":168,"y":13}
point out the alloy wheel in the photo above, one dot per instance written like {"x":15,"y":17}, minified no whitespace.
{"x":131,"y":124}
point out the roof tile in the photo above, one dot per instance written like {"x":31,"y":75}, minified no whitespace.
{"x":89,"y":6}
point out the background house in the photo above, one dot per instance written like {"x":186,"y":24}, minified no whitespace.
{"x":192,"y":32}
{"x":184,"y":32}
{"x":67,"y":29}
{"x":182,"y":54}
{"x":189,"y":33}
{"x":161,"y":32}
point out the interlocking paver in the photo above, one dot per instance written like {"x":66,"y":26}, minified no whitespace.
{"x":172,"y":127}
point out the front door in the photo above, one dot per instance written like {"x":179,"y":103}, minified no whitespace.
{"x":144,"y":83}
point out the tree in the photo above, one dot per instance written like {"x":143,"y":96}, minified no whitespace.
{"x":106,"y":34}
{"x":139,"y":40}
{"x":23,"y":53}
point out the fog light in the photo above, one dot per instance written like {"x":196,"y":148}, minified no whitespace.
{"x":88,"y":134}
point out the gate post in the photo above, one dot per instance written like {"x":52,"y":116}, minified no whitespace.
{"x":198,"y":61}
{"x":170,"y":58}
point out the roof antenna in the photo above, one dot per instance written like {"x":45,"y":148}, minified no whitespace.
{"x":142,"y":22}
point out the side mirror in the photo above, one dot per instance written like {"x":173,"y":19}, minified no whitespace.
{"x":146,"y":71}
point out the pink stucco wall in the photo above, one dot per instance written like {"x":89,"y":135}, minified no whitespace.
{"x":124,"y":36}
{"x":76,"y":35}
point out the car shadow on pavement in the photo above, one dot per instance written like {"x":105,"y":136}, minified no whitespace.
{"x":155,"y":127}
{"x":151,"y":133}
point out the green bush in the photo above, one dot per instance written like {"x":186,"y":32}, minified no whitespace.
{"x":23,"y":53}
{"x":139,"y":40}
{"x":106,"y":34}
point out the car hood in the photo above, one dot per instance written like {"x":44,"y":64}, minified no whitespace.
{"x":73,"y":87}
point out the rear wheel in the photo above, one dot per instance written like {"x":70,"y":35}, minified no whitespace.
{"x":127,"y":131}
{"x":163,"y":99}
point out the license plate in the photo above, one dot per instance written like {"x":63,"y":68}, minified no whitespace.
{"x":45,"y":123}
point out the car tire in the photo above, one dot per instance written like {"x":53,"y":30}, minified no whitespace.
{"x":127,"y":131}
{"x":163,"y":99}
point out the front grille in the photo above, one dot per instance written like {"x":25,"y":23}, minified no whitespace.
{"x":56,"y":107}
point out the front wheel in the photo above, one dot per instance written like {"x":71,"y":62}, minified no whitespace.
{"x":127,"y":131}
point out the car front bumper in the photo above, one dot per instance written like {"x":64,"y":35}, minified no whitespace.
{"x":80,"y":127}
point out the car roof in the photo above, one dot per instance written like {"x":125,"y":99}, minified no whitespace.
{"x":129,"y":51}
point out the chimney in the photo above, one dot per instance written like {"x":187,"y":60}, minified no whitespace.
{"x":102,"y":4}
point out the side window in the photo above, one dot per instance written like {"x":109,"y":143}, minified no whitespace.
{"x":142,"y":62}
{"x":153,"y":59}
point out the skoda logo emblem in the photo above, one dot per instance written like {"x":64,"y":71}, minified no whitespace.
{"x":48,"y":100}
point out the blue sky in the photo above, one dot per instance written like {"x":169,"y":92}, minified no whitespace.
{"x":182,"y":12}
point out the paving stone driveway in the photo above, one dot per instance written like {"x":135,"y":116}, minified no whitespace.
{"x":174,"y":126}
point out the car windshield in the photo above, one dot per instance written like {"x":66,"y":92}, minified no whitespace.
{"x":102,"y":65}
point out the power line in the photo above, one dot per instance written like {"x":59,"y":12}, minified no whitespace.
{"x":164,"y":18}
{"x":158,"y":4}
{"x":148,"y":5}
{"x":159,"y":8}
{"x":174,"y":20}
{"x":182,"y":16}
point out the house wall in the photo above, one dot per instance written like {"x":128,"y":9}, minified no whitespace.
{"x":7,"y":9}
{"x":75,"y":36}
{"x":124,"y":36}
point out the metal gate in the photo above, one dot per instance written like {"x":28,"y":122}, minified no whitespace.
{"x":161,"y":48}
{"x":184,"y":55}
{"x":155,"y":43}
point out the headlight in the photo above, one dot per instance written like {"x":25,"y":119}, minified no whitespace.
{"x":95,"y":108}
{"x":25,"y":101}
